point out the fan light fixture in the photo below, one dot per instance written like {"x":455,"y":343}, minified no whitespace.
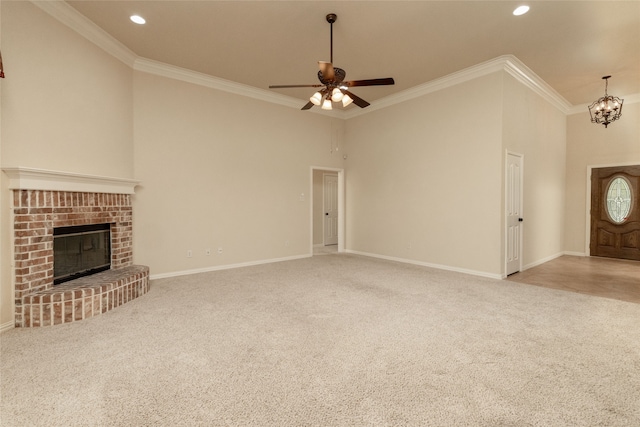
{"x":333,"y":86}
{"x":606,"y":109}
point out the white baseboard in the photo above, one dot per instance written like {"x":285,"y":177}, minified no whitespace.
{"x":427,"y":264}
{"x":575,"y":253}
{"x":7,"y":326}
{"x":542,"y":261}
{"x":225,"y":267}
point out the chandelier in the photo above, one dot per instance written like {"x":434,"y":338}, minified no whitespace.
{"x":606,"y":109}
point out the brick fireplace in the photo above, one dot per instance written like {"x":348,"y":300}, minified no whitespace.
{"x":45,"y":200}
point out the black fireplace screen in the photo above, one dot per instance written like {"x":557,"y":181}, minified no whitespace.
{"x":80,"y":251}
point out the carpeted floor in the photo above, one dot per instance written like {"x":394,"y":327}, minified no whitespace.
{"x":334,"y":340}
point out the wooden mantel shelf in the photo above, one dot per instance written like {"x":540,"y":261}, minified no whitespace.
{"x":21,"y":178}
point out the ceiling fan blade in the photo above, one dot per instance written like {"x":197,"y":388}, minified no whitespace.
{"x":328,"y":73}
{"x":371,"y":82}
{"x":356,"y":99}
{"x":307,"y":106}
{"x":288,"y":86}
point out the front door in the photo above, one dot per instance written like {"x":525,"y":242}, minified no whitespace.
{"x":330,"y":203}
{"x":615,"y":212}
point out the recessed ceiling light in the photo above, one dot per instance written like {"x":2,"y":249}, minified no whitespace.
{"x":138,"y":19}
{"x":521,"y":10}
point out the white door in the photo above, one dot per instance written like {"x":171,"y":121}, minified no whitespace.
{"x":514,"y":214}
{"x":330,"y":204}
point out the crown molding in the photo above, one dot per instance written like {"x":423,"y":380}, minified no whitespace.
{"x":21,"y":178}
{"x":201,"y":79}
{"x":67,"y":15}
{"x":508,"y":63}
{"x":527,"y":77}
{"x":432,"y":86}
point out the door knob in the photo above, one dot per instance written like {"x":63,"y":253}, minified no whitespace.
{"x":520,"y":219}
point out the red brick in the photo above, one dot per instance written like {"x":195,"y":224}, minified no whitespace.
{"x":57,"y":313}
{"x":35,"y":315}
{"x":26,"y":316}
{"x":97,"y":304}
{"x":68,"y":311}
{"x":46,"y":314}
{"x":40,"y":250}
{"x":77,"y":309}
{"x":35,"y":276}
{"x":88,"y":307}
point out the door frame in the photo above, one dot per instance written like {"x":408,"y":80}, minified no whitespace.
{"x":587,"y":234}
{"x":504,"y":210}
{"x":341,"y":210}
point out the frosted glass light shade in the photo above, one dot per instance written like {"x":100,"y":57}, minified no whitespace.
{"x":316,"y":98}
{"x":346,"y":100}
{"x":336,"y":95}
{"x":326,"y":105}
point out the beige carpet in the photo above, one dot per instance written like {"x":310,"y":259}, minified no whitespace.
{"x":334,"y":340}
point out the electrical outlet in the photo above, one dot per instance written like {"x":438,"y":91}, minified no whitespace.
{"x":189,"y":253}
{"x":207,"y":252}
{"x":220,"y":250}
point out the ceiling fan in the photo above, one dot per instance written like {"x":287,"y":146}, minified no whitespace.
{"x":334,"y":88}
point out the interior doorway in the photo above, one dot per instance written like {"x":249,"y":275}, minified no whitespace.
{"x":330,"y":208}
{"x":615,"y":212}
{"x":327,"y":210}
{"x":513,"y":213}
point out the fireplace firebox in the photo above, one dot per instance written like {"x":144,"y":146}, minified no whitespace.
{"x":80,"y":251}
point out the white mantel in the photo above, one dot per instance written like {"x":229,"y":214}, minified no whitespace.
{"x":21,"y":178}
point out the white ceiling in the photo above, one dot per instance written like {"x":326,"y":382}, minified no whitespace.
{"x":569,"y":44}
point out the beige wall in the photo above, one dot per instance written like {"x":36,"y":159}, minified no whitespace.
{"x":219,"y":170}
{"x":67,"y":103}
{"x":589,"y":144}
{"x":425,"y":177}
{"x":534,"y":128}
{"x":66,"y":106}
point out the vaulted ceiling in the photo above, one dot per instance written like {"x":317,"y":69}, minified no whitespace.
{"x":569,"y":44}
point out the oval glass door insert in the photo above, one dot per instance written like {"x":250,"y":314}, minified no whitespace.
{"x":618,"y":200}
